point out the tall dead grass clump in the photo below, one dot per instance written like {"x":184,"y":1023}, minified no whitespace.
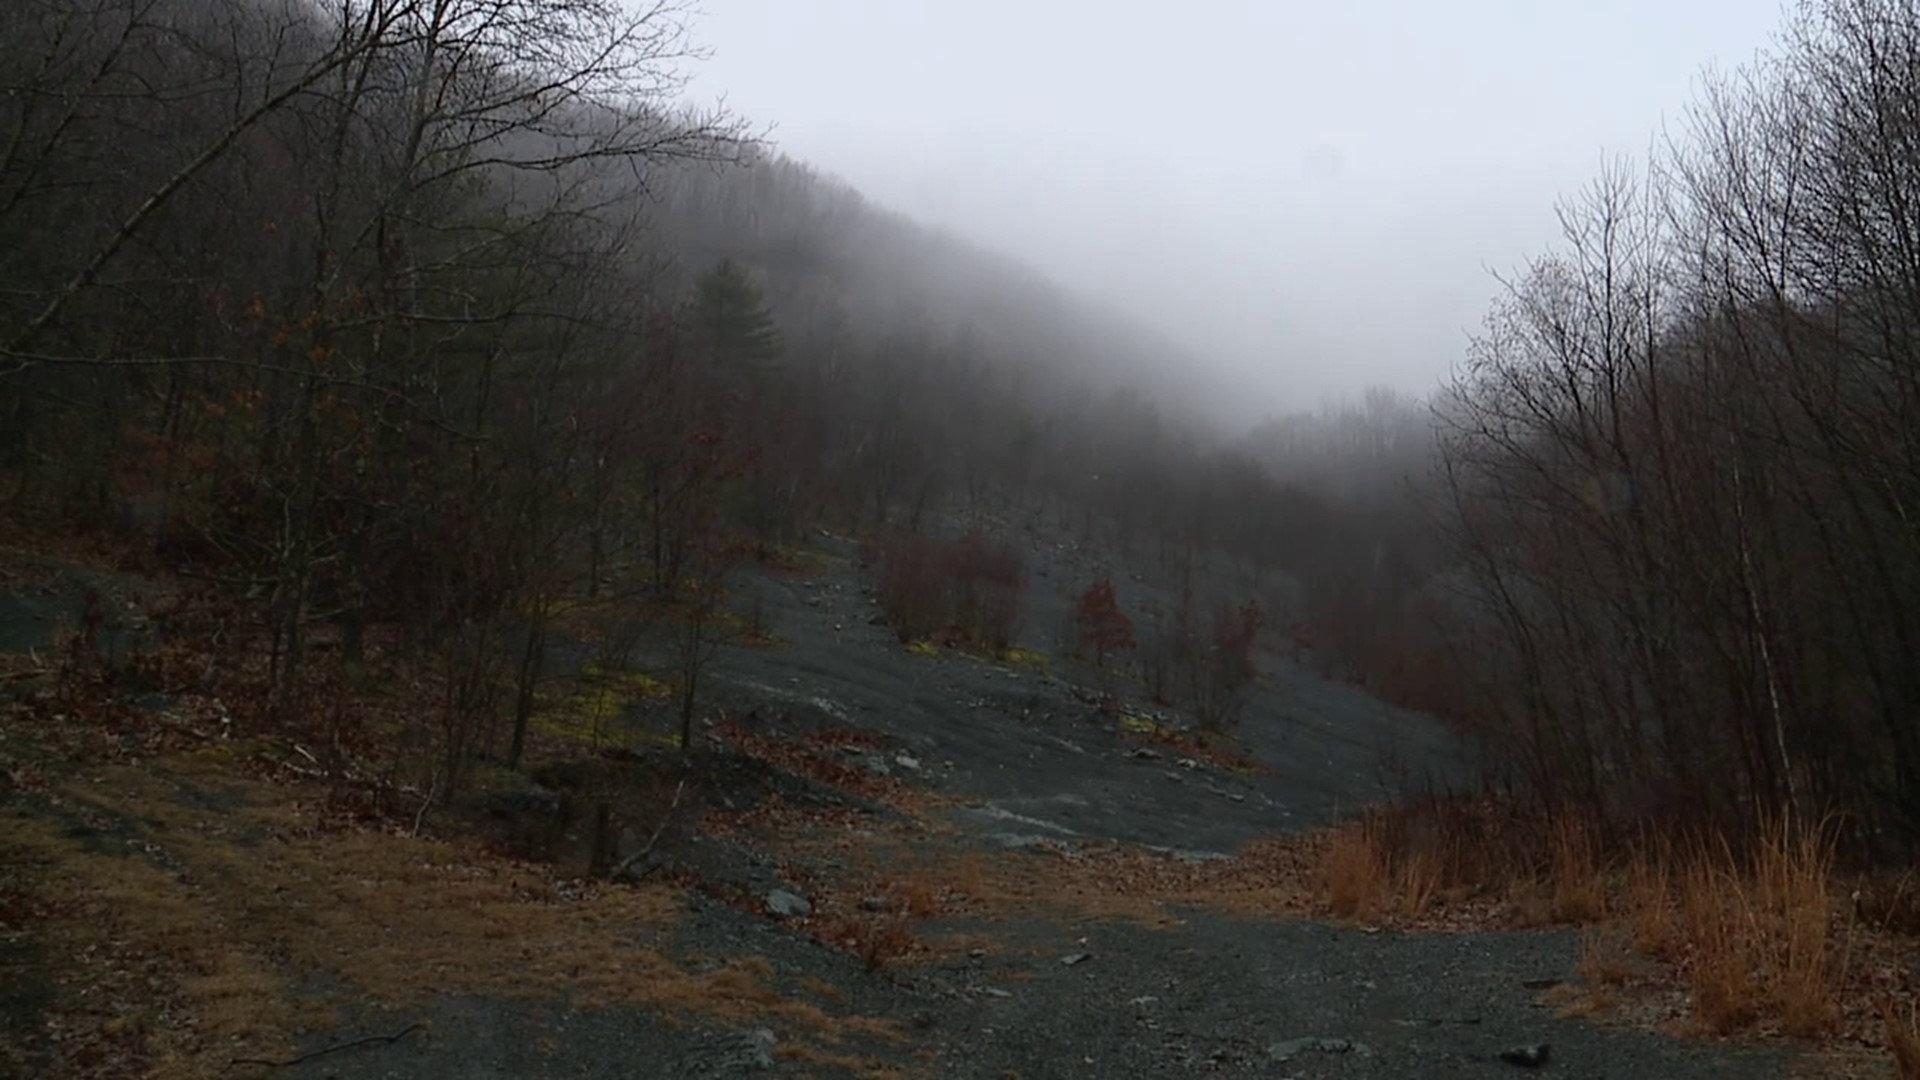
{"x":1903,"y":1037}
{"x":1579,"y":889}
{"x":1759,"y":929}
{"x":1354,"y":869}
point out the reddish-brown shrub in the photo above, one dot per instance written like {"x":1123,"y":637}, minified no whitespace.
{"x":967,"y":592}
{"x":910,"y":588}
{"x":1103,"y":626}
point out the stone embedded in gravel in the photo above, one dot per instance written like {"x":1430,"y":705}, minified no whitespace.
{"x":734,"y":1055}
{"x":786,"y":904}
{"x":907,"y":762}
{"x":877,"y":904}
{"x":1289,"y":1049}
{"x":1527,"y":1057}
{"x":1076,"y":958}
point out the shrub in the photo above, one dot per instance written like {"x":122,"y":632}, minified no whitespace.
{"x":967,"y":592}
{"x":1103,"y":626}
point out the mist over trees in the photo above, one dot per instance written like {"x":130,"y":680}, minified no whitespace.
{"x":407,"y":323}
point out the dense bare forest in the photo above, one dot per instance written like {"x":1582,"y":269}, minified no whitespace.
{"x":414,"y":323}
{"x":398,"y":315}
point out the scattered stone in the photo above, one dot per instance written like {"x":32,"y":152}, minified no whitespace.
{"x":877,"y":904}
{"x":994,"y":991}
{"x":876,"y":765}
{"x":1187,"y":763}
{"x":877,"y":620}
{"x":907,"y":762}
{"x":1527,"y":1057}
{"x":1540,"y":984}
{"x":734,"y":1055}
{"x":785,"y":904}
{"x":1076,"y":958}
{"x":977,"y":954}
{"x":1289,"y":1049}
{"x":1146,"y":753}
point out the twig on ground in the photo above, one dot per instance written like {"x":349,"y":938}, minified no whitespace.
{"x":364,"y":1040}
{"x":433,"y":787}
{"x":665,"y":820}
{"x":311,"y":774}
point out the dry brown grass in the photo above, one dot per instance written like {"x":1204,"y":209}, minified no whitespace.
{"x":1760,"y":931}
{"x":1752,"y":933}
{"x":920,"y":897}
{"x":1722,"y":957}
{"x":1579,"y":890}
{"x":232,"y":894}
{"x":1903,"y":1037}
{"x":1653,"y":921}
{"x":1603,"y":962}
{"x":1364,"y":876}
{"x":1355,"y":872}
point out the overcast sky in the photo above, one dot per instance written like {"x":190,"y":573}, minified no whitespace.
{"x":1312,"y":191}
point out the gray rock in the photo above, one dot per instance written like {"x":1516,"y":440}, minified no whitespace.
{"x":1076,"y":958}
{"x":907,"y":762}
{"x":1527,"y":1057}
{"x":1289,"y":1049}
{"x":734,"y":1055}
{"x":786,"y":904}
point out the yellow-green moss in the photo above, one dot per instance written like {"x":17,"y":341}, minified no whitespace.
{"x":1027,"y":660}
{"x":923,"y":647}
{"x":602,"y":697}
{"x":1143,"y":726}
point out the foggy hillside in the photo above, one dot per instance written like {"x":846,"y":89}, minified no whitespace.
{"x":486,"y":534}
{"x":835,"y":263}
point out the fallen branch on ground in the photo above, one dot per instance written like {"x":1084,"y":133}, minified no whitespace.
{"x":385,"y":1040}
{"x":627,"y":863}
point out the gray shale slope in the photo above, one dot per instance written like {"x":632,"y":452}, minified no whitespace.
{"x":1210,"y":996}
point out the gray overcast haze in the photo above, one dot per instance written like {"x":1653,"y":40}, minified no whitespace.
{"x":1312,"y":192}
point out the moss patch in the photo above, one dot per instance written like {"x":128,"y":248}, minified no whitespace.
{"x":595,"y":711}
